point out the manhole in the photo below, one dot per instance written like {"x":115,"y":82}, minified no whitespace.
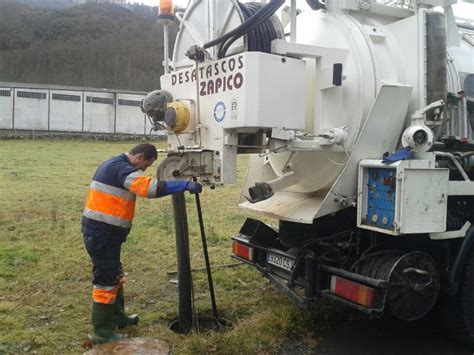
{"x":202,"y":323}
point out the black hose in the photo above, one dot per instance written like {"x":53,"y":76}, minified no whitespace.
{"x":259,"y":39}
{"x":185,"y":313}
{"x":263,"y":34}
{"x":372,"y":255}
{"x":255,"y":20}
{"x":206,"y":257}
{"x":316,"y":4}
{"x":455,"y":270}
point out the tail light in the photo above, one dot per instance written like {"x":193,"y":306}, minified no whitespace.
{"x":353,"y":291}
{"x":242,"y":251}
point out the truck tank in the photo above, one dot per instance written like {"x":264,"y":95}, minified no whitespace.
{"x":358,"y":118}
{"x":372,"y":46}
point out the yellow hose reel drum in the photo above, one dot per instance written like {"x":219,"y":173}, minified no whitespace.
{"x":177,"y":116}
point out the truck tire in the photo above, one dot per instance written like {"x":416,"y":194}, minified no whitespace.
{"x":459,"y":309}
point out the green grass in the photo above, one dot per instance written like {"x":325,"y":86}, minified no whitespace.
{"x":45,"y":289}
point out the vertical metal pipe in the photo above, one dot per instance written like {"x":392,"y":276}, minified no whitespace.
{"x":166,"y":48}
{"x":185,"y":314}
{"x":49,"y":110}
{"x":115,"y":112}
{"x":13,"y":108}
{"x":293,"y":21}
{"x":460,"y":118}
{"x":82,"y":118}
{"x":449,"y":123}
{"x":464,"y":125}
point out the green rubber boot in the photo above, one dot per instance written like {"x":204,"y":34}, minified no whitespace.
{"x":102,"y":320}
{"x":121,"y":320}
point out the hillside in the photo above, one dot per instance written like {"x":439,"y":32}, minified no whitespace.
{"x":93,"y":45}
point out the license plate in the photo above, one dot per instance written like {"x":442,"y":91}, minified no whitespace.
{"x":281,"y":261}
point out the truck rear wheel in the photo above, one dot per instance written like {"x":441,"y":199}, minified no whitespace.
{"x":459,"y":309}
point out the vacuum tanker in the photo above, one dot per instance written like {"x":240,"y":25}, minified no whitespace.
{"x":358,"y":119}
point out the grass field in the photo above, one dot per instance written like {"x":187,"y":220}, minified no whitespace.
{"x":45,"y":289}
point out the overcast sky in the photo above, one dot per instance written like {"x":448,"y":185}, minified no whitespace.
{"x":461,"y":9}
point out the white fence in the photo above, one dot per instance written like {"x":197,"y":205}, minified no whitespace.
{"x":72,"y":110}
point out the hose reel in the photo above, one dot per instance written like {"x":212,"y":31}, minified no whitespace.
{"x":413,"y":281}
{"x":260,"y":27}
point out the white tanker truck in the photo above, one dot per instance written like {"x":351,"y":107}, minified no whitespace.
{"x":358,"y":118}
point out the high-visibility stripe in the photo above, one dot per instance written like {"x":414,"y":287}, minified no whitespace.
{"x":110,"y":205}
{"x":112,"y":190}
{"x":102,"y":217}
{"x":152,"y":189}
{"x":143,"y":186}
{"x":129,"y":179}
{"x":105,"y":295}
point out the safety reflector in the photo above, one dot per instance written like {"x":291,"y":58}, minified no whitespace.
{"x":353,"y":291}
{"x":242,"y":251}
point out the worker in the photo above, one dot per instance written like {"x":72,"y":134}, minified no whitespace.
{"x":106,"y":222}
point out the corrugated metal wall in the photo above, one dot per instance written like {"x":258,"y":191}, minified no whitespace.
{"x":6,"y":108}
{"x":61,"y":110}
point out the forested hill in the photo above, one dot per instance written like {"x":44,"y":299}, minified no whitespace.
{"x":93,"y":45}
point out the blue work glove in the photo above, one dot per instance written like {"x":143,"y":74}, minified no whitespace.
{"x":402,"y":154}
{"x":194,"y":187}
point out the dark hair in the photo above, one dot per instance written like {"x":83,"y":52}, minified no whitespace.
{"x":148,"y":150}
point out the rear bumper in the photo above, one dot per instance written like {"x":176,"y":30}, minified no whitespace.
{"x":310,"y":280}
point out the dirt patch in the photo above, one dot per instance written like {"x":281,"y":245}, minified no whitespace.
{"x":132,"y":346}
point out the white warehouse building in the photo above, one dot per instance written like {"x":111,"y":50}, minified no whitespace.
{"x":71,"y":109}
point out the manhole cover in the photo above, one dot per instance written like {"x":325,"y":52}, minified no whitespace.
{"x":132,"y":346}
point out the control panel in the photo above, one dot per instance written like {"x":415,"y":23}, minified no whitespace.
{"x":405,"y":197}
{"x":381,"y":197}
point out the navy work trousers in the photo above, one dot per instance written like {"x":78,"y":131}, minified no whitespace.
{"x":105,"y":255}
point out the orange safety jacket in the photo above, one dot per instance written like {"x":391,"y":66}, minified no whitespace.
{"x":110,"y":204}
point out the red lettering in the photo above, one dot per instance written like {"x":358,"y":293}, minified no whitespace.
{"x":232,"y":64}
{"x":241,"y":62}
{"x":218,"y":84}
{"x":210,"y":87}
{"x":208,"y":71}
{"x":202,"y":92}
{"x":238,"y":80}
